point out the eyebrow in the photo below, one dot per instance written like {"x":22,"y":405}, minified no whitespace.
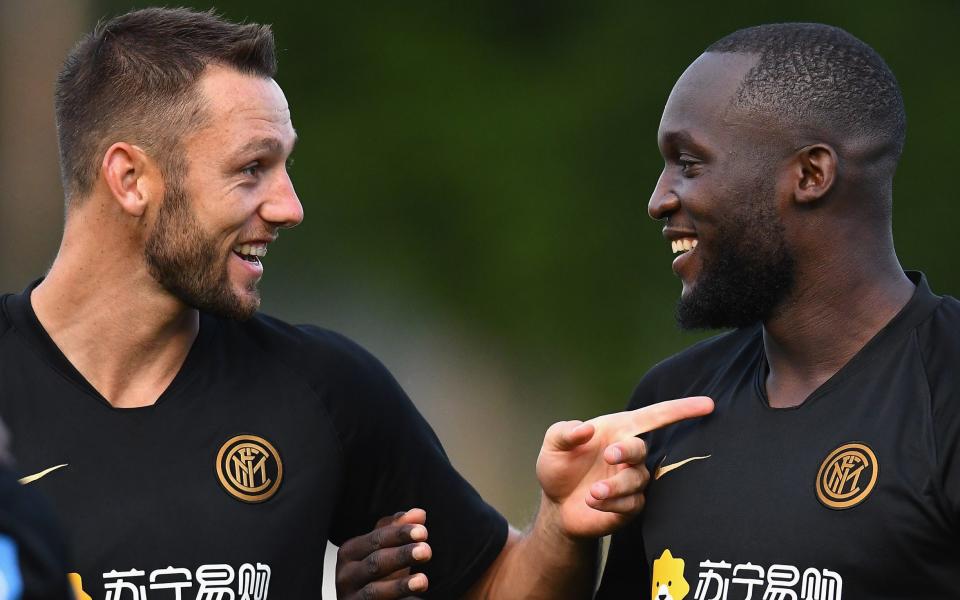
{"x":679,"y":137}
{"x":266,"y":144}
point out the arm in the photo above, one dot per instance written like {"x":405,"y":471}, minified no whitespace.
{"x":593,"y":477}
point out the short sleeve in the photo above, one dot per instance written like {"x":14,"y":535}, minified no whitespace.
{"x":393,"y":461}
{"x":940,"y":347}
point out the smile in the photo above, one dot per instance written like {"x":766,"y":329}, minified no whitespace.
{"x":683,"y":245}
{"x":250,"y":252}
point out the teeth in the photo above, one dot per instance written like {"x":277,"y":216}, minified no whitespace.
{"x":683,"y":245}
{"x":259,"y":250}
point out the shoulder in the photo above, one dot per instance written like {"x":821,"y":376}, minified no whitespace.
{"x":938,"y":341}
{"x":312,"y":351}
{"x":694,"y":370}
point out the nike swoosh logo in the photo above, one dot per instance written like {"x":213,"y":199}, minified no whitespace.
{"x":663,"y":470}
{"x":43,"y":473}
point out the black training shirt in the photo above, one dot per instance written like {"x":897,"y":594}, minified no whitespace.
{"x":854,"y":494}
{"x":270,"y":440}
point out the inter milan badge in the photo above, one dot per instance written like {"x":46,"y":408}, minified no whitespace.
{"x":847,"y":476}
{"x":249,"y":468}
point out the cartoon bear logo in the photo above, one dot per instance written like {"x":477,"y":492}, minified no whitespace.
{"x":668,"y":581}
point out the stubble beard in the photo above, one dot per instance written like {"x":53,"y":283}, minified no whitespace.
{"x":746,"y":278}
{"x":187,"y":262}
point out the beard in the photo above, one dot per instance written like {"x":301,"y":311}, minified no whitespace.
{"x":187,"y":262}
{"x":746,"y":278}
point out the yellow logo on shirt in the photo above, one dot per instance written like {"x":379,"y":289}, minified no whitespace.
{"x":668,"y":581}
{"x":76,"y":584}
{"x":249,"y":468}
{"x":847,"y":476}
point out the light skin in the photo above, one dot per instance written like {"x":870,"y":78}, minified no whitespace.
{"x":126,"y":334}
{"x":849,"y":283}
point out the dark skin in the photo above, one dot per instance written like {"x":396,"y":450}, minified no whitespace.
{"x":829,"y":192}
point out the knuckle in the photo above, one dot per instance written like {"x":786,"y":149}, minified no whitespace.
{"x":376,"y":539}
{"x":367,"y":592}
{"x":639,"y":502}
{"x":372,"y":564}
{"x":641,"y":447}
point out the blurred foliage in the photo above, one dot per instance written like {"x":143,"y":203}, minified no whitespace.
{"x":491,"y":161}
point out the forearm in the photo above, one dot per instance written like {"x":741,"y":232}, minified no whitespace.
{"x":541,"y":564}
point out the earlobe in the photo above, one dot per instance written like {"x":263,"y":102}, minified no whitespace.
{"x":817,"y":167}
{"x":124,"y":169}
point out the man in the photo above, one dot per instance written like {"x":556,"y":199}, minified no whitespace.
{"x":830,"y":467}
{"x":197,"y":449}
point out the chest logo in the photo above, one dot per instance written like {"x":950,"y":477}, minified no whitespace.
{"x":668,"y":581}
{"x":847,"y":476}
{"x":249,"y":468}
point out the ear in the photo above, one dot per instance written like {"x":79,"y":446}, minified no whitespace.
{"x":130,"y":175}
{"x":816,"y":171}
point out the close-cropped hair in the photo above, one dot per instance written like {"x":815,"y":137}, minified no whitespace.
{"x":814,"y":74}
{"x":133,"y":79}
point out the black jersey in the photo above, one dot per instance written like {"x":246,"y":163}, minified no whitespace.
{"x":854,"y":494}
{"x":33,"y":563}
{"x":270,"y":440}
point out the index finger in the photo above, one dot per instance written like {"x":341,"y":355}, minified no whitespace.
{"x":668,"y":412}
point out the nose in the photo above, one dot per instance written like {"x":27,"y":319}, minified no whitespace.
{"x":282,"y":208}
{"x":664,"y":201}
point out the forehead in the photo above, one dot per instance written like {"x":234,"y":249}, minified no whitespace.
{"x":240,"y":107}
{"x":699,"y":104}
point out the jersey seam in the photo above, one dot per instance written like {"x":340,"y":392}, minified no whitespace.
{"x":941,"y":496}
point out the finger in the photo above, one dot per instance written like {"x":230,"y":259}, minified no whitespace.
{"x":625,"y":483}
{"x":390,"y":590}
{"x":665,"y":413}
{"x":624,"y":505}
{"x":392,"y":519}
{"x":380,"y":565}
{"x":390,"y":536}
{"x":631,"y":451}
{"x":412,"y":516}
{"x":567,"y":435}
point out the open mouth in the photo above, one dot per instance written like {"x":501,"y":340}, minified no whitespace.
{"x":251,"y":253}
{"x":683,"y":245}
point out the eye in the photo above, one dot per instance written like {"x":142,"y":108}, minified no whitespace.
{"x":669,"y":584}
{"x":251,"y":170}
{"x":689,"y":166}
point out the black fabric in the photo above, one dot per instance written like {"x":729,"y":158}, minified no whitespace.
{"x":27,"y":524}
{"x":141,"y":492}
{"x":751,"y":513}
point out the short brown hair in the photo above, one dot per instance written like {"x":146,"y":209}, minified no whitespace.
{"x":134,"y":79}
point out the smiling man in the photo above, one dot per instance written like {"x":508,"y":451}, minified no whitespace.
{"x":830,"y":468}
{"x":196,"y":448}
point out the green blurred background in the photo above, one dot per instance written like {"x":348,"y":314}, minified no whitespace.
{"x":475,"y":178}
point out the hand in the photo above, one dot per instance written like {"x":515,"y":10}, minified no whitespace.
{"x":376,"y":566}
{"x":593,"y":474}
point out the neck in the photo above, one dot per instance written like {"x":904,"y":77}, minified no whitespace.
{"x":126,"y":335}
{"x":831,"y":316}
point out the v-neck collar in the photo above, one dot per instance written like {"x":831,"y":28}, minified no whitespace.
{"x":25,"y":322}
{"x":916,"y":310}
